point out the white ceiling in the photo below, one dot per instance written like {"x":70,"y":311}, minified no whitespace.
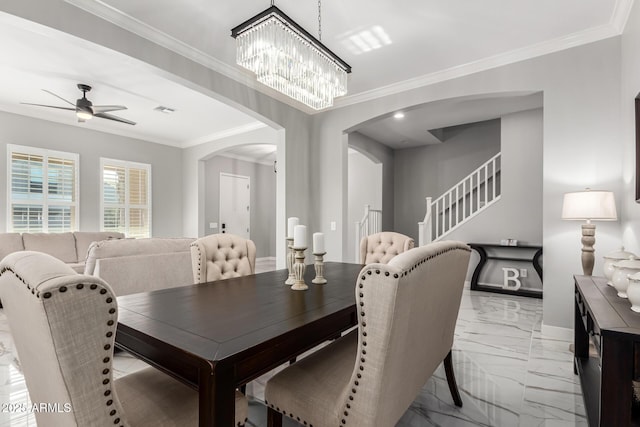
{"x":391,"y":46}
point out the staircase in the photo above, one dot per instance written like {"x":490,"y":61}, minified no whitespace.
{"x":371,"y":223}
{"x":466,"y":199}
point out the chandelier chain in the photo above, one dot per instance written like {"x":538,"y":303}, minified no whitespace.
{"x":320,"y":20}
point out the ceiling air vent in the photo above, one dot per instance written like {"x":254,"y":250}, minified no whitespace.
{"x":164,"y":109}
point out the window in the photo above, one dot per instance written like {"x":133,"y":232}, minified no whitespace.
{"x":126,"y":197}
{"x":43,"y":190}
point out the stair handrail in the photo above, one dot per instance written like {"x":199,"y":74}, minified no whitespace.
{"x":371,"y":223}
{"x":446,"y":225}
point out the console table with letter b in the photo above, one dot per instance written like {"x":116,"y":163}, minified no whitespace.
{"x":519,"y":253}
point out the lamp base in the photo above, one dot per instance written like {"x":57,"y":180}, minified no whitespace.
{"x":588,"y":240}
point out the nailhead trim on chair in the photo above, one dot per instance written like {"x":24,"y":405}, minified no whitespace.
{"x":363,"y":331}
{"x":199,"y":262}
{"x":109,"y":334}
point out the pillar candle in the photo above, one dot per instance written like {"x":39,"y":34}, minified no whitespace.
{"x":291,"y":222}
{"x":300,"y":236}
{"x":318,"y":243}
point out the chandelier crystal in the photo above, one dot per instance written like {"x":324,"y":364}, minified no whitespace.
{"x":285,"y":57}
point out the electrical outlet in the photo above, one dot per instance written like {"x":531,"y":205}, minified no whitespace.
{"x":333,"y":226}
{"x":523,"y":272}
{"x":213,"y":225}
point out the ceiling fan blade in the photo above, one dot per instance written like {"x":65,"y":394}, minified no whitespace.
{"x":50,"y":106}
{"x":107,"y":108}
{"x":115,"y":118}
{"x":59,"y":97}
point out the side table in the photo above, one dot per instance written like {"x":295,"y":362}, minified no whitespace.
{"x":606,"y":376}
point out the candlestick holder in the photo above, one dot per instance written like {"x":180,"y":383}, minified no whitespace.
{"x":298,"y":268}
{"x":319,"y":266}
{"x":290,"y":260}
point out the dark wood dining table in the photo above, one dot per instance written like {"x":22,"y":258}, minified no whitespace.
{"x":217,"y":336}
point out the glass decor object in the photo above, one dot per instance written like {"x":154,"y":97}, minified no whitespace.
{"x":285,"y":57}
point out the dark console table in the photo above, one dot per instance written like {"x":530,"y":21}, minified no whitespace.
{"x":534,"y":257}
{"x":606,"y":375}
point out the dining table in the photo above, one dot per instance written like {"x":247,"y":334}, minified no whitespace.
{"x":217,"y":336}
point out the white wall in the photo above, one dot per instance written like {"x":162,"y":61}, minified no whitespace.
{"x":166,"y":174}
{"x":365,"y":188}
{"x":379,"y":153}
{"x":627,"y":138}
{"x":263,"y":199}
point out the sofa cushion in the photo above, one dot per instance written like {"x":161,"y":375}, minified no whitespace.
{"x":85,"y":238}
{"x":10,"y":242}
{"x":59,"y":245}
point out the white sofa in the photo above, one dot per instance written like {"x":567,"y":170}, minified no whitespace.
{"x":140,"y":265}
{"x":70,"y":248}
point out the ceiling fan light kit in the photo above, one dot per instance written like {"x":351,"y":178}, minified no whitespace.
{"x":85,"y":110}
{"x":285,"y":57}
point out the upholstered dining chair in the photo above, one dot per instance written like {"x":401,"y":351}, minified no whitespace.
{"x":407,"y":312}
{"x":63,"y":325}
{"x":222,"y":256}
{"x":381,"y":247}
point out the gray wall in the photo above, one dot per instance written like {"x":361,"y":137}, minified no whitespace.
{"x":166,"y":171}
{"x":581,"y":147}
{"x":263,"y":199}
{"x":518,"y":213}
{"x":430,"y":171}
{"x":584,"y":137}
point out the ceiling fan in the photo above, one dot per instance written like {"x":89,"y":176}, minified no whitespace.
{"x":85,"y":110}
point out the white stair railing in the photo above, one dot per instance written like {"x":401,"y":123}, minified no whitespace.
{"x":371,"y":223}
{"x":473,"y":194}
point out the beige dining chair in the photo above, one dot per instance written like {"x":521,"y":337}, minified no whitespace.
{"x":63,"y":325}
{"x":222,"y":256}
{"x":407,"y":312}
{"x":381,"y":247}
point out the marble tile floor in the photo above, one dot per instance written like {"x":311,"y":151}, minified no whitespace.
{"x":508,"y":373}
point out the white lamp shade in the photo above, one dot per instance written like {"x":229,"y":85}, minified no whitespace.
{"x":589,"y":205}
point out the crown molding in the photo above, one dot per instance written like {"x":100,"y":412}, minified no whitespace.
{"x":517,"y":55}
{"x":146,"y":31}
{"x":620,"y":16}
{"x":615,"y":27}
{"x":223,"y":134}
{"x":135,"y":26}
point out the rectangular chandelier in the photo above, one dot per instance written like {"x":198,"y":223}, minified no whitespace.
{"x":285,"y":57}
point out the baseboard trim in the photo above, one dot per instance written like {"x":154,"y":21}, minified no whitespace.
{"x":557,"y":332}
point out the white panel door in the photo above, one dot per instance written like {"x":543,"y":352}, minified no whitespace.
{"x":235,"y":211}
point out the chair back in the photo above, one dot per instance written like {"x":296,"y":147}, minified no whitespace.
{"x":407,"y":312}
{"x":63,"y":325}
{"x":222,"y":256}
{"x":381,"y":247}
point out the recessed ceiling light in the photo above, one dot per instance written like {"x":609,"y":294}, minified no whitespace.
{"x":164,"y":109}
{"x":398,"y":115}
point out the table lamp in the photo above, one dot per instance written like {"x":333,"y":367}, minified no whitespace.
{"x":589,"y":206}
